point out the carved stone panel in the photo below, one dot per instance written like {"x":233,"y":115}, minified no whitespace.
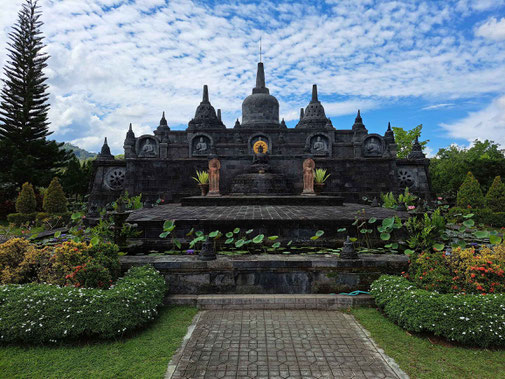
{"x":373,"y":146}
{"x":319,"y":145}
{"x":201,"y":145}
{"x":147,"y":147}
{"x":115,"y":178}
{"x":406,"y":178}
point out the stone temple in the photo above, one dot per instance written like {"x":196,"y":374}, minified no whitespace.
{"x":161,"y":165}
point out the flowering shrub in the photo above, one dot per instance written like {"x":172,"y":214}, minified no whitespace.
{"x":12,"y":253}
{"x":430,"y":271}
{"x":90,"y":275}
{"x":468,"y":319}
{"x":38,"y":313}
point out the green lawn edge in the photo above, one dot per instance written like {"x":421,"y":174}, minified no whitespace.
{"x":143,"y":355}
{"x":419,"y":358}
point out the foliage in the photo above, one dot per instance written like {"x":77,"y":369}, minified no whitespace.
{"x":426,"y":231}
{"x":430,"y":271}
{"x":468,"y":319}
{"x":449,"y":167}
{"x":19,"y":219}
{"x":90,"y":275}
{"x":25,"y":152}
{"x":470,"y":194}
{"x":55,"y":200}
{"x":202,"y":177}
{"x":26,"y":202}
{"x":389,"y":200}
{"x":128,"y":202}
{"x":405,"y":139}
{"x":52,"y":221}
{"x":423,"y":357}
{"x":495,"y":197}
{"x":12,"y":254}
{"x":76,"y":177}
{"x":407,"y":198}
{"x":320,"y":175}
{"x":483,"y":216}
{"x":58,"y":313}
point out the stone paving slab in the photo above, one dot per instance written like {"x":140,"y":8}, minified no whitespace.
{"x":279,"y":344}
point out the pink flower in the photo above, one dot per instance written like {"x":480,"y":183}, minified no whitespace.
{"x":411,"y":207}
{"x":439,"y":198}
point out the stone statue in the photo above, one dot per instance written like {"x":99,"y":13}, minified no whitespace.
{"x":214,"y":166}
{"x":320,"y":145}
{"x":148,"y":148}
{"x":373,"y":147}
{"x":201,"y":146}
{"x":308,"y":176}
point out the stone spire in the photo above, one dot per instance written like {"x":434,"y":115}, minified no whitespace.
{"x":219,"y":114}
{"x":389,"y":136}
{"x":260,"y":80}
{"x":105,"y":152}
{"x":358,"y":123}
{"x":163,"y":121}
{"x":314,"y":116}
{"x":283,"y":124}
{"x":205,"y":115}
{"x":237,"y":124}
{"x":162,"y":130}
{"x":301,"y":113}
{"x":417,"y":151}
{"x":130,"y":136}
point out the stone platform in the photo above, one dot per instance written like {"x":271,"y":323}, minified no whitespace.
{"x":290,"y":222}
{"x":269,"y":273}
{"x":236,"y":200}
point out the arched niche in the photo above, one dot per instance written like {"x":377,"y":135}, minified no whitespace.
{"x":200,"y":145}
{"x":147,"y":146}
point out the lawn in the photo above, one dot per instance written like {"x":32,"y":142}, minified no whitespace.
{"x":419,"y":358}
{"x":144,"y":355}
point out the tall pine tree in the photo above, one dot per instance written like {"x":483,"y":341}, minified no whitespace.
{"x":25,"y":153}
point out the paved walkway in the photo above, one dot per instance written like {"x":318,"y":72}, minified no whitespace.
{"x":279,"y":344}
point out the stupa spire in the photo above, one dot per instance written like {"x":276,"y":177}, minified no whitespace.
{"x":314,"y":93}
{"x":260,"y":76}
{"x":205,"y":94}
{"x":163,"y":121}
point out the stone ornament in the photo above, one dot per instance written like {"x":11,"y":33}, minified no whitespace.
{"x":259,"y":140}
{"x":214,"y":167}
{"x":201,"y":145}
{"x":147,"y":147}
{"x":406,"y":178}
{"x":373,"y":146}
{"x":308,"y":176}
{"x":319,"y":145}
{"x":115,"y":178}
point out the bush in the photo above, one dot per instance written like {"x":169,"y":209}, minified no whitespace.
{"x":55,"y":200}
{"x":482,"y":216}
{"x":51,"y":221}
{"x":19,"y":219}
{"x":495,"y":197}
{"x":38,"y":313}
{"x":90,"y":275}
{"x":26,"y":202}
{"x":470,"y":194}
{"x":430,"y":271}
{"x":12,"y":254}
{"x":468,"y":319}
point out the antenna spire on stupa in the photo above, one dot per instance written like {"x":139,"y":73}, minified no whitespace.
{"x":260,"y":51}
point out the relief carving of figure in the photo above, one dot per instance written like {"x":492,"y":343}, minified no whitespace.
{"x":201,"y":146}
{"x":214,"y":167}
{"x":320,"y":145}
{"x":308,"y":176}
{"x":373,"y":147}
{"x":148,"y":148}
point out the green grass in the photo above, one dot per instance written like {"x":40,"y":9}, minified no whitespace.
{"x":419,"y":358}
{"x":144,"y":355}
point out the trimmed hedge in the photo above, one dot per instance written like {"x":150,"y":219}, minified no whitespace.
{"x":38,"y":313}
{"x":19,"y":219}
{"x":476,"y":320}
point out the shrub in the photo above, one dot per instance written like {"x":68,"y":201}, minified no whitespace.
{"x":470,"y":194}
{"x":468,"y":319}
{"x":482,"y":216}
{"x":38,"y":313}
{"x":12,"y":253}
{"x":51,"y":221}
{"x":55,"y":200}
{"x":19,"y":219}
{"x":430,"y":271}
{"x":26,"y":202}
{"x":106,"y":254}
{"x":495,"y":197}
{"x":90,"y":275}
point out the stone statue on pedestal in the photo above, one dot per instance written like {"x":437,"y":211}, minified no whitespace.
{"x":214,"y":167}
{"x":308,"y":176}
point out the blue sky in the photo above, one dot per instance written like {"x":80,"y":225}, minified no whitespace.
{"x":436,"y":63}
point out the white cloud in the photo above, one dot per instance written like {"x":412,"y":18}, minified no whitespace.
{"x":493,"y":29}
{"x":437,"y":106}
{"x":110,"y":67}
{"x":488,"y":123}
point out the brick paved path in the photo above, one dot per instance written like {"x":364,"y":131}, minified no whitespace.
{"x":280,"y":344}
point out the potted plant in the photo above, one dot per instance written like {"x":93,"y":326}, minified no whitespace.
{"x":202,"y":178}
{"x":320,"y":177}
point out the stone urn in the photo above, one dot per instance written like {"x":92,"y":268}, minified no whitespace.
{"x":318,"y":188}
{"x":204,"y":188}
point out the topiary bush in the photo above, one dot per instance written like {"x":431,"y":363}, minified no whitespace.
{"x":38,"y":313}
{"x":470,"y":194}
{"x":26,"y":202}
{"x":495,"y":197}
{"x":468,"y":319}
{"x":19,"y":219}
{"x":55,"y":200}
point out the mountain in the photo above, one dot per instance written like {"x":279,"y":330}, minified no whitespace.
{"x":78,"y":152}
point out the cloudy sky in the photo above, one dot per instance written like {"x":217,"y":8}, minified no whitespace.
{"x":436,"y":63}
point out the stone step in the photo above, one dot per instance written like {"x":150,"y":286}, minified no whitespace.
{"x":266,"y":301}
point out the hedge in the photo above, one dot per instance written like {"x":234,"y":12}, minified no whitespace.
{"x":37,"y":313}
{"x":475,"y":320}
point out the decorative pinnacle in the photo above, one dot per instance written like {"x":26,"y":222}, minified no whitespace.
{"x":314,"y":93}
{"x":260,"y":76}
{"x":205,"y":94}
{"x":219,"y":114}
{"x":389,"y":125}
{"x":130,"y":128}
{"x":105,"y":140}
{"x":302,"y":113}
{"x":163,"y":120}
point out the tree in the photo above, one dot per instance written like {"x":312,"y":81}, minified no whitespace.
{"x":55,"y":200}
{"x":76,"y":177}
{"x":25,"y":153}
{"x":26,"y":202}
{"x":405,"y":139}
{"x":495,"y":197}
{"x":470,"y":194}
